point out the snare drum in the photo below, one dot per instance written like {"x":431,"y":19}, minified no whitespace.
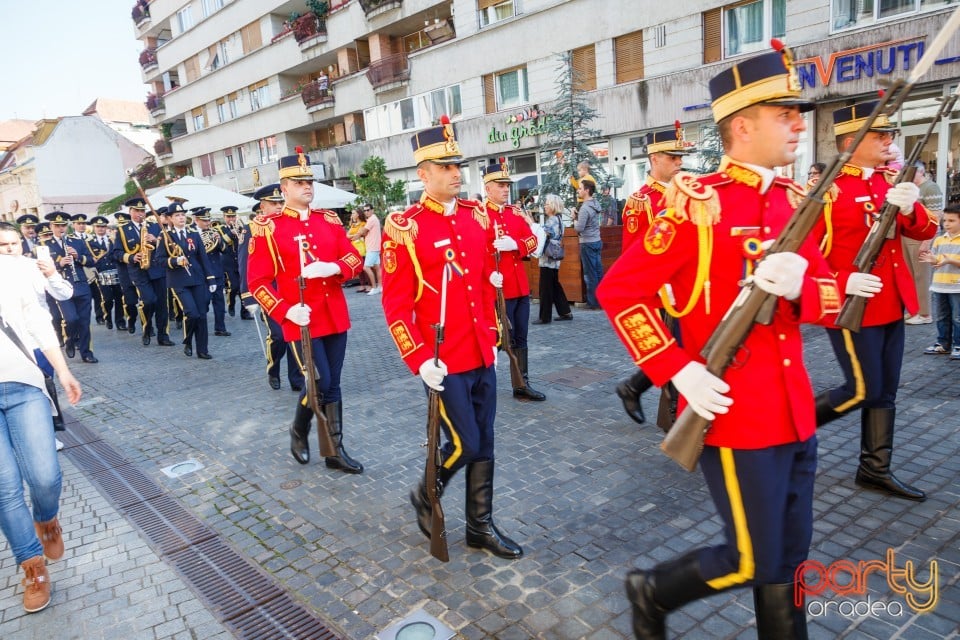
{"x":108,"y":277}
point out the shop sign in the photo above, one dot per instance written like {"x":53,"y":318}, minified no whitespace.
{"x":530,"y":122}
{"x":879,"y":59}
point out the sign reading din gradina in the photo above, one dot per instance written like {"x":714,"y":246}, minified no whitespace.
{"x":530,"y":122}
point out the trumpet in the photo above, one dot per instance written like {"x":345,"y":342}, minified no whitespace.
{"x":146,"y":249}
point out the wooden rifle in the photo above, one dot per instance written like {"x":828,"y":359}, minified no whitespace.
{"x":851,"y":313}
{"x":516,"y":376}
{"x":438,"y":527}
{"x":327,"y":448}
{"x":684,"y":442}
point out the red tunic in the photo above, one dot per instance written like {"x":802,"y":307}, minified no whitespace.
{"x":845,"y":226}
{"x":704,"y":262}
{"x":273,"y":269}
{"x":645,"y":203}
{"x":507,"y":220}
{"x":420,"y":242}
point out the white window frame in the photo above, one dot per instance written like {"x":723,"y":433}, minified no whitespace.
{"x":211,"y":6}
{"x":499,"y":12}
{"x":228,"y":159}
{"x":185,"y":18}
{"x":760,"y":44}
{"x":863,"y":20}
{"x":241,"y":157}
{"x":268,"y":151}
{"x":260,"y":98}
{"x":524,"y":90}
{"x":234,"y":106}
{"x":199,"y":123}
{"x":222,"y":112}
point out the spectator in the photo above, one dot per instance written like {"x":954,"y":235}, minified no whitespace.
{"x":371,"y":261}
{"x":610,"y":209}
{"x":932,"y":198}
{"x":945,"y":258}
{"x":356,"y":237}
{"x":27,"y":449}
{"x":587,"y":223}
{"x":583,"y":173}
{"x":814,"y":173}
{"x":551,"y":293}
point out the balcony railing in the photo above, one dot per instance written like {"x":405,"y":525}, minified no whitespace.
{"x":154,"y":102}
{"x":140,"y":12}
{"x":148,"y":59}
{"x":307,"y":26}
{"x":389,"y":69}
{"x":162,"y":148}
{"x":379,"y":6}
{"x":316,"y":93}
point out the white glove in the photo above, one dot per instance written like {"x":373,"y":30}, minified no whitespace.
{"x":321,"y":270}
{"x":496,"y":352}
{"x":505,"y":243}
{"x":212,"y":288}
{"x":432,"y":375}
{"x":252,"y":308}
{"x":865,"y":285}
{"x":781,"y":274}
{"x":703,"y":390}
{"x":496,"y":279}
{"x":299,"y":314}
{"x":904,"y":195}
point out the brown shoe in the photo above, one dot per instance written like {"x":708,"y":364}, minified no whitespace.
{"x":36,"y":584}
{"x":51,"y":538}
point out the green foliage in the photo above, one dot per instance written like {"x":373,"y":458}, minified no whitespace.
{"x":710,"y":149}
{"x":149,"y":176}
{"x":568,"y":131}
{"x":318,"y":7}
{"x":373,"y":186}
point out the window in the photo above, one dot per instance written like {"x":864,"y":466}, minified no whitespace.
{"x":417,"y":112}
{"x":192,"y":68}
{"x":228,"y":159}
{"x":185,"y":18}
{"x":749,"y":26}
{"x":268,"y":149}
{"x":628,"y":53}
{"x":492,"y":11}
{"x":199,"y":119}
{"x":241,"y":157}
{"x":211,"y":6}
{"x":846,"y":14}
{"x":259,"y":96}
{"x":207,"y":166}
{"x":584,"y":62}
{"x":222,"y":53}
{"x":511,"y":88}
{"x":251,"y":37}
{"x":712,"y":35}
{"x":408,"y":119}
{"x":233,"y":104}
{"x":415,"y":41}
{"x":222,"y":113}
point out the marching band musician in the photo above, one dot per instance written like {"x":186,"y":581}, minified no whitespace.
{"x":79,"y":224}
{"x":71,"y":255}
{"x":229,"y":256}
{"x":190,"y":276}
{"x":513,"y":240}
{"x":130,"y":298}
{"x":439,"y":235}
{"x":28,"y":229}
{"x":760,"y":453}
{"x":213,"y":244}
{"x":269,"y":202}
{"x":108,"y":280}
{"x":299,"y":241}
{"x":138,"y":238}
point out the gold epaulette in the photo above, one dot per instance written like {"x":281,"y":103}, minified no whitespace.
{"x":262,"y":225}
{"x":479,"y":212}
{"x":332,"y":217}
{"x":795,"y":192}
{"x":401,"y":227}
{"x":694,"y":197}
{"x":889,"y":174}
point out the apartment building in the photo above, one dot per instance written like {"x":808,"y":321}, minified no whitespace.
{"x":236,"y":83}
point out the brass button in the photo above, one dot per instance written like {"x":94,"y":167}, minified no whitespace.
{"x":786,"y":362}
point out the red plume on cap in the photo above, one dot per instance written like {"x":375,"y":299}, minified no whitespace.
{"x":444,"y":119}
{"x":880,"y":93}
{"x":501,"y":159}
{"x":777,"y":44}
{"x":298,"y":149}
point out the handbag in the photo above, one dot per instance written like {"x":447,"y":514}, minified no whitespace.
{"x":554,"y":248}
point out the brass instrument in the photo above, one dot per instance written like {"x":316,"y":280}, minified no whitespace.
{"x":146,"y":249}
{"x":211,"y":239}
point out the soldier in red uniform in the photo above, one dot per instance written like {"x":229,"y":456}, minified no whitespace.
{"x":871,"y":358}
{"x":279,"y":244}
{"x":513,"y":241}
{"x":444,"y":235}
{"x":665,"y":149}
{"x":759,"y":458}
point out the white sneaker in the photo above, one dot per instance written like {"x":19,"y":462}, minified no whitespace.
{"x":374,"y":291}
{"x":918,"y":319}
{"x":59,"y":444}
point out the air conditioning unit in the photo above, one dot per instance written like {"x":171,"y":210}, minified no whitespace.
{"x":319,"y":170}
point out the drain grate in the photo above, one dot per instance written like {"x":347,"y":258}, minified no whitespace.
{"x":168,"y":524}
{"x":126,"y":485}
{"x":279,"y":618}
{"x":97,"y":456}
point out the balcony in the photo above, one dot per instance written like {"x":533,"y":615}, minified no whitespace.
{"x":148,"y":59}
{"x":155,"y":105}
{"x":374,"y":8}
{"x":140,"y":13}
{"x":439,"y":31}
{"x":309,"y":30}
{"x":317,"y":95}
{"x":162,"y":148}
{"x":389,"y":72}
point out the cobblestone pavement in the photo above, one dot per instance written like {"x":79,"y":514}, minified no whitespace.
{"x":584,"y":490}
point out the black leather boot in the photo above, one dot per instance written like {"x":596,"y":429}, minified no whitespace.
{"x":825,"y":413}
{"x":299,"y":430}
{"x":876,"y":449}
{"x":342,"y":461}
{"x":630,"y":390}
{"x":52,"y":391}
{"x":778,"y":618}
{"x":482,"y":533}
{"x":421,"y":503}
{"x":527,"y":392}
{"x":655,"y":592}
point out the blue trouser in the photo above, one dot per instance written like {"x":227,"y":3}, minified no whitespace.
{"x":870,"y":361}
{"x":592,"y":269}
{"x":328,"y":353}
{"x":468,"y":407}
{"x":765,"y":499}
{"x":518,"y":313}
{"x":193,"y":301}
{"x":275,"y":349}
{"x":76,"y":322}
{"x":219,"y":307}
{"x":28,"y":453}
{"x":153,"y":304}
{"x":129,"y":297}
{"x":946,"y":309}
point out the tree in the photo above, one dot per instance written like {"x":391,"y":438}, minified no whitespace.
{"x":567,"y":134}
{"x":149,"y":176}
{"x":710,"y":149}
{"x":374,"y":187}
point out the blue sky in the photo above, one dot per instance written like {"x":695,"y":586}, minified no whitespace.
{"x":59,"y":56}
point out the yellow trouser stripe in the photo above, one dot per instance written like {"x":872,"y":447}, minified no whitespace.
{"x":454,"y":438}
{"x":861,"y":386}
{"x":744,"y":543}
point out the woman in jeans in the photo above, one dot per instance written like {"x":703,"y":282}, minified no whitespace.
{"x":551,"y":293}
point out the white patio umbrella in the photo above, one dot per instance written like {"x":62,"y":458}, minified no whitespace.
{"x":327,"y":197}
{"x":200,"y":193}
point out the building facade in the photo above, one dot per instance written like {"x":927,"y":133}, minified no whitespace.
{"x":235,"y":84}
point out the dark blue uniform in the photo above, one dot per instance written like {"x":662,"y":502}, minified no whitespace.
{"x":189,"y":283}
{"x":75,"y":311}
{"x":215,"y":256}
{"x":150,"y":283}
{"x":111,"y":295}
{"x":231,"y":267}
